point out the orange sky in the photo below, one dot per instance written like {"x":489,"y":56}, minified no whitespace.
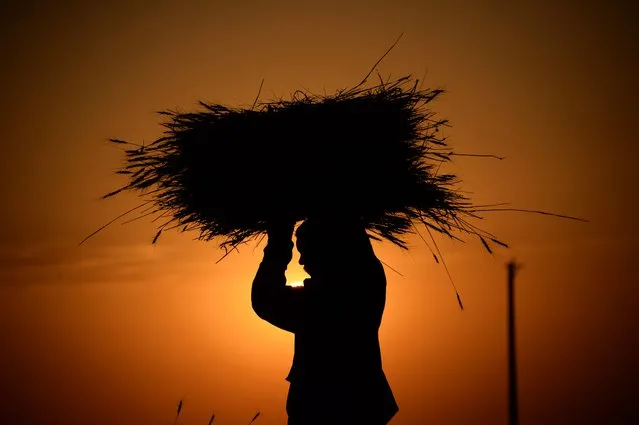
{"x":118,"y":330}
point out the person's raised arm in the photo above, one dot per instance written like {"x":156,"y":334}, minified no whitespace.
{"x":272,"y":300}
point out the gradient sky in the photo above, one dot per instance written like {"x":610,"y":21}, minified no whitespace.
{"x":118,"y":330}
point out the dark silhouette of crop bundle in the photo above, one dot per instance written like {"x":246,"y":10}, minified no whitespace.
{"x":372,"y":152}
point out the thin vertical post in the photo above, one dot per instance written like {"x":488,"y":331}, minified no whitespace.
{"x":513,"y":410}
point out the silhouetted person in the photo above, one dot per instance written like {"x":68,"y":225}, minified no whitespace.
{"x":337,"y":376}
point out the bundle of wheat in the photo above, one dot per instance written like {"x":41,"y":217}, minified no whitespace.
{"x":372,"y":152}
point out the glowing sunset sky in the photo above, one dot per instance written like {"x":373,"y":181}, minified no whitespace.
{"x":118,"y":330}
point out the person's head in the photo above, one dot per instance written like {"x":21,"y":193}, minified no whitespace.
{"x":332,"y":244}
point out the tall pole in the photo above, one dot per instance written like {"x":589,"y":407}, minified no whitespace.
{"x":513,"y":411}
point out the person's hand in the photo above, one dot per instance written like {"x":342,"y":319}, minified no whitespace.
{"x":280,"y":230}
{"x":279,"y":249}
